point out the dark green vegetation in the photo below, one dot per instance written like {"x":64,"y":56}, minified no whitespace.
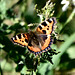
{"x":15,"y":15}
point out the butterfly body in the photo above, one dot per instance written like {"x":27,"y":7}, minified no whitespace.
{"x":37,"y":41}
{"x":34,"y":38}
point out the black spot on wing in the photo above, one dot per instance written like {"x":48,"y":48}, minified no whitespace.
{"x":26,"y":40}
{"x":44,"y":31}
{"x":47,"y":28}
{"x":22,"y":41}
{"x":49,"y":20}
{"x":14,"y":38}
{"x":23,"y":35}
{"x":19,"y":36}
{"x":40,"y":27}
{"x":29,"y":43}
{"x":44,"y":24}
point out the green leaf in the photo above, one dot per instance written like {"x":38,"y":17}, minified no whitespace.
{"x":23,"y":71}
{"x":71,"y":52}
{"x":62,"y":48}
{"x":70,"y":17}
{"x":43,"y":68}
{"x":1,"y":46}
{"x":6,"y":65}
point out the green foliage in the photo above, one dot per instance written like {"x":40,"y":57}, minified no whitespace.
{"x":47,"y":11}
{"x":16,"y":16}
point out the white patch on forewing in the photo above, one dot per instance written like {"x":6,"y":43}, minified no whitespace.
{"x":21,"y":36}
{"x":17,"y":37}
{"x":47,"y":22}
{"x":41,"y":25}
{"x":50,"y":19}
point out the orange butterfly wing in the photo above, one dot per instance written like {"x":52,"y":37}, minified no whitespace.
{"x":21,"y":39}
{"x":46,"y":28}
{"x":45,"y":47}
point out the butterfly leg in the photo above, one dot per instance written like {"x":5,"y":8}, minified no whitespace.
{"x":53,"y":51}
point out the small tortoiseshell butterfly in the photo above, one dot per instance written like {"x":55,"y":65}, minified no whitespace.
{"x":39,"y":40}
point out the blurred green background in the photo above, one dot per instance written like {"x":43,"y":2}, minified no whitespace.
{"x":15,"y":15}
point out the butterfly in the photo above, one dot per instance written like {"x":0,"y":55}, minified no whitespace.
{"x":39,"y":40}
